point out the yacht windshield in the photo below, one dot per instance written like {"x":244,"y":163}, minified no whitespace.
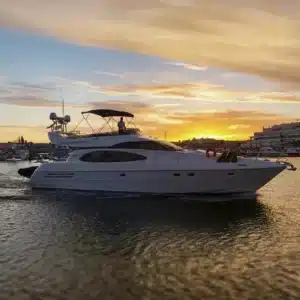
{"x":149,"y":145}
{"x":171,"y":145}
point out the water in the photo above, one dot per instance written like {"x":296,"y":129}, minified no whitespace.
{"x":72,"y":245}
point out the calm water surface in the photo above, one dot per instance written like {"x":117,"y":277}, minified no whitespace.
{"x":67,"y":245}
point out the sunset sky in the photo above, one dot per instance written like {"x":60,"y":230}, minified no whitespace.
{"x":190,"y":68}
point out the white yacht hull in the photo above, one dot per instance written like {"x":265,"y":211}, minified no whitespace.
{"x":158,"y":181}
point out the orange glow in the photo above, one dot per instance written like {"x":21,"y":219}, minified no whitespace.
{"x":175,"y":122}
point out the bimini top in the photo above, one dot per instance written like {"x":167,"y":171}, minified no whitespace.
{"x":104,"y":113}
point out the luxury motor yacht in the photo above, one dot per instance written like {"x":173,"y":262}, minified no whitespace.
{"x":132,"y":162}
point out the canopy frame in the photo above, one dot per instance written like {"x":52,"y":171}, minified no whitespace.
{"x":108,"y":116}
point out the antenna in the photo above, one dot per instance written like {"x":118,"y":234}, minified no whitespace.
{"x":62,"y":103}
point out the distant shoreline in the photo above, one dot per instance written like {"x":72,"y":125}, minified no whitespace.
{"x":209,"y":143}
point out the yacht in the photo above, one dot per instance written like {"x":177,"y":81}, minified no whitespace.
{"x":3,"y":155}
{"x":293,"y":152}
{"x":131,"y":162}
{"x":19,"y":153}
{"x":281,"y":139}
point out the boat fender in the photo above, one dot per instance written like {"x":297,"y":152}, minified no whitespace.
{"x":214,"y":153}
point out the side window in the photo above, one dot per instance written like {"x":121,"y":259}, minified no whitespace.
{"x":111,"y":156}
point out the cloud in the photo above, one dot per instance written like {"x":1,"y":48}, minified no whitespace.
{"x":155,"y":120}
{"x":43,"y":95}
{"x":183,"y":90}
{"x":32,"y":86}
{"x":174,"y":121}
{"x":187,"y":66}
{"x":150,"y":116}
{"x":229,"y":75}
{"x":25,"y":94}
{"x":251,"y":116}
{"x":110,"y":74}
{"x":202,"y":91}
{"x":131,"y":106}
{"x":238,"y":126}
{"x":280,"y":97}
{"x":29,"y":101}
{"x":217,"y":124}
{"x":160,"y":105}
{"x":258,"y":37}
{"x":30,"y":94}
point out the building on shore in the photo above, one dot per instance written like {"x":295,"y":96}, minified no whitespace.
{"x":204,"y":144}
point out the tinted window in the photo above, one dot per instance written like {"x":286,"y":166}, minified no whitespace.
{"x":111,"y":156}
{"x":148,"y":145}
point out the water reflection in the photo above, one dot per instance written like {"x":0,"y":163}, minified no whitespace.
{"x":120,"y":213}
{"x":86,"y":244}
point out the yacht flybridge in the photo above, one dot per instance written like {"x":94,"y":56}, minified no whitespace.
{"x":132,"y":162}
{"x":60,"y":136}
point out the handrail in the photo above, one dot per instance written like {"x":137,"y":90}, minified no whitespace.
{"x":259,"y":154}
{"x":290,"y":166}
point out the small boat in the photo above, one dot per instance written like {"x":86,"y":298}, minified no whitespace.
{"x":133,"y":162}
{"x":263,"y":152}
{"x":293,"y":152}
{"x":3,"y":155}
{"x":269,"y":152}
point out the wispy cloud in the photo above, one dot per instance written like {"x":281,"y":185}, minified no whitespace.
{"x":232,"y":124}
{"x":229,"y":75}
{"x":188,"y":66}
{"x":238,"y":126}
{"x":29,"y":101}
{"x":204,"y":92}
{"x":110,"y":74}
{"x":155,"y":120}
{"x":162,"y":105}
{"x":132,"y":106}
{"x":260,"y":38}
{"x":30,"y":94}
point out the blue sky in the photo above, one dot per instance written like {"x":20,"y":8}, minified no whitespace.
{"x":187,"y":87}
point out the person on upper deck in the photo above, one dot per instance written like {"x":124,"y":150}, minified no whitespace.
{"x":121,"y":126}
